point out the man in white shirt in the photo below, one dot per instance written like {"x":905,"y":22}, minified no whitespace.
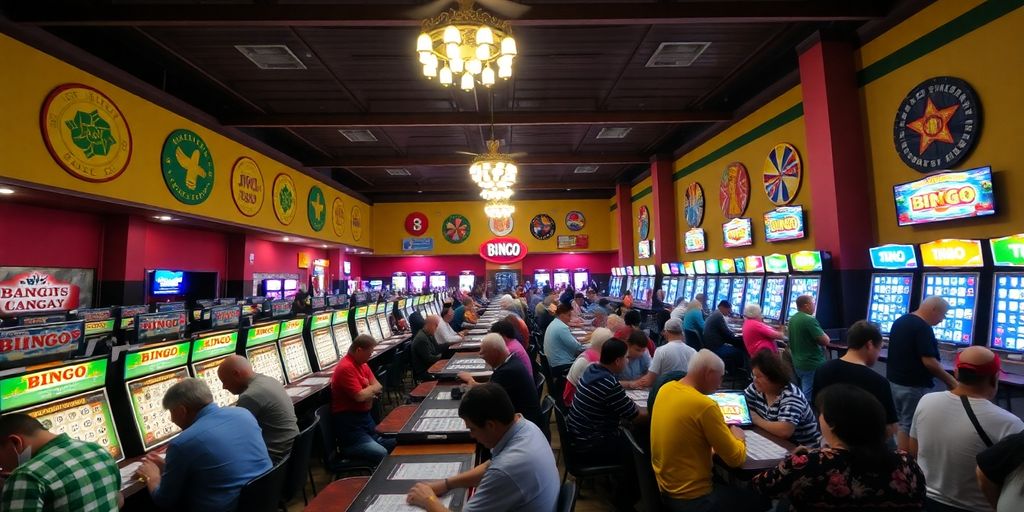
{"x":680,"y":310}
{"x":445,"y":335}
{"x":946,"y":442}
{"x":674,"y":355}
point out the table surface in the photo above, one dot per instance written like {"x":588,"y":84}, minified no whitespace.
{"x":751,"y":465}
{"x":338,"y":495}
{"x":396,"y":419}
{"x":423,"y":389}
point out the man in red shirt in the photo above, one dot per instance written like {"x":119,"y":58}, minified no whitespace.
{"x":353,"y":389}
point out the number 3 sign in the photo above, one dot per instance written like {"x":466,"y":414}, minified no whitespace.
{"x":416,"y":223}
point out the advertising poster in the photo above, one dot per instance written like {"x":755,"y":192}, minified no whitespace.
{"x":785,"y":223}
{"x":945,"y":196}
{"x":737,"y":232}
{"x":695,"y":240}
{"x":29,"y":290}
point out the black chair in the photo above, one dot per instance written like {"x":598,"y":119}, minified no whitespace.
{"x":394,"y":386}
{"x":263,"y":493}
{"x":694,"y":339}
{"x":567,"y":497}
{"x":333,"y":462}
{"x":298,"y":469}
{"x":546,"y":406}
{"x":570,"y":455}
{"x":539,"y":380}
{"x":649,"y":492}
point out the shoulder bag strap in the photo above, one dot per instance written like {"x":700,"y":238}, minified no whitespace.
{"x":974,"y":420}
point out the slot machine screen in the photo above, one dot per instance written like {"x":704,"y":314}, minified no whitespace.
{"x":774,"y":297}
{"x":1007,"y":331}
{"x":699,"y":285}
{"x":438,"y":281}
{"x":385,"y":325}
{"x":152,"y":422}
{"x":207,"y":372}
{"x":580,"y":280}
{"x":323,"y":346}
{"x":752,"y":295}
{"x":466,"y":282}
{"x":736,"y":295}
{"x":688,"y":289}
{"x":342,"y":337}
{"x":561,"y":279}
{"x":418,"y":282}
{"x":961,"y":292}
{"x":724,"y":288}
{"x":296,"y":360}
{"x":670,"y":291}
{"x":266,"y":359}
{"x":128,"y":314}
{"x":170,"y":306}
{"x":802,"y":285}
{"x":85,"y":417}
{"x":374,"y":322}
{"x":711,"y":291}
{"x":889,"y":299}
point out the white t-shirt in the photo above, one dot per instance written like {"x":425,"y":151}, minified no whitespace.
{"x":578,"y":367}
{"x":445,"y":335}
{"x":674,"y":355}
{"x":948,"y":445}
{"x":678,"y":313}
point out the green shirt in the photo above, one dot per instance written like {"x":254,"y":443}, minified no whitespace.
{"x":807,"y":353}
{"x":66,"y":475}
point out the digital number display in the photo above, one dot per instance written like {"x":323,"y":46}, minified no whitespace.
{"x":961,"y":292}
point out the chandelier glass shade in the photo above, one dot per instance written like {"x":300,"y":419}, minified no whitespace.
{"x":466,"y":45}
{"x":493,"y":170}
{"x":499,"y":209}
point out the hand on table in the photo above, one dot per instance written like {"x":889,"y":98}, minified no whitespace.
{"x":156,"y":459}
{"x":149,"y":473}
{"x":422,"y":494}
{"x":738,"y":432}
{"x":465,"y":377}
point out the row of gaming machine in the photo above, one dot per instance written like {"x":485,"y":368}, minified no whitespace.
{"x":959,"y":271}
{"x":114,"y":398}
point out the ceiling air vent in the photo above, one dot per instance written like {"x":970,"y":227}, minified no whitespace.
{"x":676,"y":55}
{"x":613,"y":133}
{"x":270,"y":56}
{"x":585,"y":169}
{"x":398,"y":172}
{"x":358,"y":135}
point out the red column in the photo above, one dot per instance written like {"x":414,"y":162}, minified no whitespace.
{"x":665,"y":246}
{"x":123,"y":273}
{"x":624,"y":211}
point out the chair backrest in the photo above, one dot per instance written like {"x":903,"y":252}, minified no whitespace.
{"x":567,"y":497}
{"x":546,"y":406}
{"x":263,"y":493}
{"x":323,"y":423}
{"x":298,"y":468}
{"x":693,"y":339}
{"x":396,"y":370}
{"x":539,"y":380}
{"x":568,"y":450}
{"x":649,"y":492}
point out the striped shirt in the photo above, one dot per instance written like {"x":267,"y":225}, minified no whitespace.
{"x":791,"y":407}
{"x":599,"y":404}
{"x":65,"y":475}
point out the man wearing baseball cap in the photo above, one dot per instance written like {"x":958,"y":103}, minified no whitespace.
{"x":950,"y":428}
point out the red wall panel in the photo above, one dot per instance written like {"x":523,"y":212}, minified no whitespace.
{"x":44,"y":237}
{"x":181,"y":248}
{"x":386,"y":265}
{"x":599,"y":263}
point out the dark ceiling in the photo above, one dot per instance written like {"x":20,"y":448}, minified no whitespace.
{"x":581,"y":68}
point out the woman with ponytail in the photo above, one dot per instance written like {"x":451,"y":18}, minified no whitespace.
{"x":856,"y":471}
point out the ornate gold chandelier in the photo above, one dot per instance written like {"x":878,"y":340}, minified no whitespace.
{"x":465,"y":45}
{"x":495,"y":174}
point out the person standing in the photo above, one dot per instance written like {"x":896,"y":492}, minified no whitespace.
{"x":719,"y":338}
{"x":914,"y":361}
{"x":807,"y":343}
{"x":53,"y":472}
{"x":353,"y":389}
{"x":266,"y":399}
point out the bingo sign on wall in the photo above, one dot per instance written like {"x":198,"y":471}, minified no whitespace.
{"x":36,"y":292}
{"x":416,"y":223}
{"x":187,"y":166}
{"x":86,"y":133}
{"x":937,"y":124}
{"x":503,"y":250}
{"x":247,"y":186}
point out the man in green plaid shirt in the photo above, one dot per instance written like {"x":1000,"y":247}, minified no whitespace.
{"x":50,"y":472}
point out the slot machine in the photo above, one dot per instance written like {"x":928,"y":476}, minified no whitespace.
{"x":580,"y":279}
{"x":99,"y":329}
{"x":891,"y":290}
{"x":953,"y":280}
{"x":341,"y":331}
{"x":262,"y":351}
{"x":668,"y":282}
{"x":362,"y":326}
{"x":399,"y":281}
{"x":321,"y":343}
{"x":208,"y":352}
{"x":318,"y":303}
{"x":202,"y":305}
{"x":615,"y":284}
{"x":371,"y":319}
{"x":711,"y":288}
{"x":774,"y":297}
{"x":1006,"y":331}
{"x":432,"y":306}
{"x":739,"y":287}
{"x":417,"y":282}
{"x":541,"y":277}
{"x":725,"y":283}
{"x":809,"y":267}
{"x":755,"y":281}
{"x":438,"y":280}
{"x":466,"y":280}
{"x":292,"y":347}
{"x":691,"y":280}
{"x":126,"y":321}
{"x":384,"y":311}
{"x":700,"y":281}
{"x":560,"y":278}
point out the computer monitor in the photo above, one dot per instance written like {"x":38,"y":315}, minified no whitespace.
{"x":733,"y":405}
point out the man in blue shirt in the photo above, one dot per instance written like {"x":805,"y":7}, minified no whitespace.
{"x":560,"y":347}
{"x":521,"y":475}
{"x":218,"y":451}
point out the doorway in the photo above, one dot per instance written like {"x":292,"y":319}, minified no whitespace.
{"x":506,"y":280}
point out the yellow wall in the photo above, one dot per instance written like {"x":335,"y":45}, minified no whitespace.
{"x":389,"y":225}
{"x":29,"y":77}
{"x":752,"y":155}
{"x":648,"y":201}
{"x":991,"y":60}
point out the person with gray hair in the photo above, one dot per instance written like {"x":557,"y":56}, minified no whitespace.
{"x":510,"y":374}
{"x":424,"y":348}
{"x":673,"y":356}
{"x":219,"y":450}
{"x":757,"y":335}
{"x":267,"y":400}
{"x":614,"y":322}
{"x":589,"y":356}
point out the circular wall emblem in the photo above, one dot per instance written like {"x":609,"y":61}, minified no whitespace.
{"x":187,"y":167}
{"x":937,"y":124}
{"x":316,"y":208}
{"x":284,"y":198}
{"x":416,"y":223}
{"x":85,"y":133}
{"x":338,"y":216}
{"x":542,"y":226}
{"x":734,"y":190}
{"x":693,"y":204}
{"x":500,"y":227}
{"x":781,"y":174}
{"x":455,"y":228}
{"x":247,"y":186}
{"x":644,"y":222}
{"x":575,"y":220}
{"x":357,"y":223}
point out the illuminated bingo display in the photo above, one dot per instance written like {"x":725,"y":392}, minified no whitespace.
{"x":889,"y":299}
{"x":266,"y":359}
{"x":802,"y":285}
{"x":374,"y":322}
{"x":385,"y":325}
{"x":151,"y":420}
{"x":342,"y":336}
{"x":207,"y":355}
{"x":323,"y":343}
{"x":1008,"y":311}
{"x":753,"y":293}
{"x":774,"y":295}
{"x":688,"y":288}
{"x":362,"y":327}
{"x":296,"y":361}
{"x":961,"y":292}
{"x":207,"y":372}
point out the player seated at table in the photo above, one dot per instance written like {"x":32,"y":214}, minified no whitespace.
{"x":459,"y":316}
{"x":266,"y":399}
{"x":510,"y":374}
{"x":856,"y":471}
{"x":686,"y":425}
{"x":638,"y":360}
{"x":672,"y":357}
{"x":632,"y":320}
{"x":353,"y":390}
{"x":757,"y":335}
{"x":508,"y":333}
{"x":521,"y":475}
{"x":776,"y":402}
{"x":508,"y":304}
{"x":679,"y":311}
{"x":520,"y":331}
{"x":53,"y":472}
{"x":719,"y":338}
{"x":693,"y":320}
{"x":424,"y":349}
{"x":589,"y":356}
{"x":560,"y":346}
{"x":219,"y":450}
{"x":445,"y":335}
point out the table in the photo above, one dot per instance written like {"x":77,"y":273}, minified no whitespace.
{"x":440,"y":368}
{"x":471,"y":344}
{"x":421,"y":391}
{"x":338,"y":495}
{"x":391,"y":424}
{"x":752,"y":467}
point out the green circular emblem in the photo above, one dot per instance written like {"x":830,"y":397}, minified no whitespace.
{"x":455,"y":228}
{"x":316,"y":208}
{"x":187,"y":167}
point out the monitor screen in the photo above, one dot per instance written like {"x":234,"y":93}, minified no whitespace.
{"x":85,"y":417}
{"x":945,"y":196}
{"x":752,"y":295}
{"x":1007,"y":331}
{"x":889,"y":299}
{"x":802,"y":285}
{"x":733,"y":405}
{"x":774,"y":293}
{"x":961,"y":292}
{"x":710,"y":291}
{"x":207,"y":372}
{"x":296,"y":359}
{"x":785,"y":223}
{"x":724,"y":289}
{"x":688,"y":288}
{"x":695,"y":240}
{"x":739,"y":285}
{"x":152,"y":422}
{"x":273,"y":285}
{"x":266,"y":360}
{"x":738,"y":233}
{"x":168,"y":282}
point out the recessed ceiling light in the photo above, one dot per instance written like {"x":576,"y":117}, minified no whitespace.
{"x":324,"y":246}
{"x":419,"y":191}
{"x":286,"y":239}
{"x":163,"y":217}
{"x":568,"y":190}
{"x":585,"y":169}
{"x":361,"y":135}
{"x":6,"y":191}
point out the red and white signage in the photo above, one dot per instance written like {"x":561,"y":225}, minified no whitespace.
{"x":416,"y":223}
{"x":503,"y":250}
{"x":36,"y":292}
